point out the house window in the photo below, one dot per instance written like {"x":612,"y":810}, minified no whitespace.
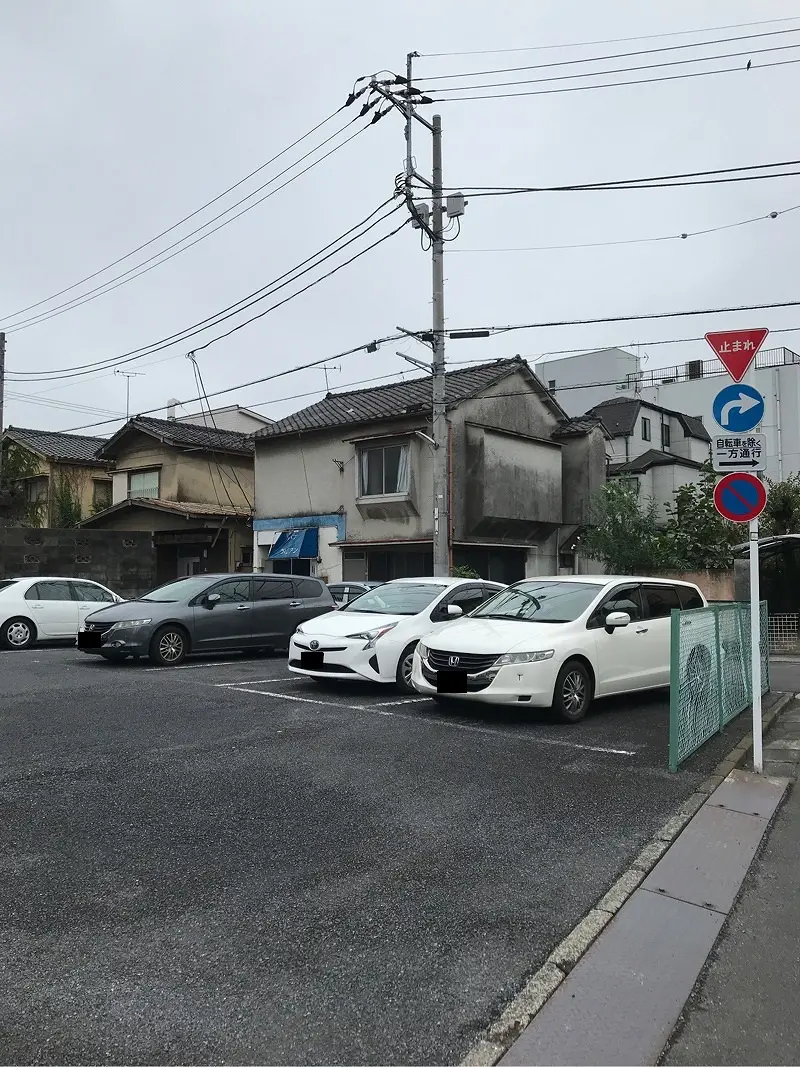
{"x":665,"y":438}
{"x":551,"y":385}
{"x":101,"y":495}
{"x":143,"y":484}
{"x":37,"y":490}
{"x":383,"y":470}
{"x":645,"y":429}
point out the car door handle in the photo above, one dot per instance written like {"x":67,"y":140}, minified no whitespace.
{"x":295,"y":603}
{"x":242,"y":607}
{"x":643,"y":630}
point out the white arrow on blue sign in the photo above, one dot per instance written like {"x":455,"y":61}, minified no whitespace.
{"x":738,"y":408}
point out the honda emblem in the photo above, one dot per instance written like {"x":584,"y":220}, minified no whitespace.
{"x":454,"y":661}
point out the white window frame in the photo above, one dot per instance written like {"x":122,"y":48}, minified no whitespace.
{"x":399,"y":493}
{"x":146,"y":494}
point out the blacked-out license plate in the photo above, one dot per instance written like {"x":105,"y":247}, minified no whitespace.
{"x":312,"y":661}
{"x":451,"y":681}
{"x":88,"y":639}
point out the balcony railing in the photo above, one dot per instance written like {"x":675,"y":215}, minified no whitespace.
{"x":693,"y":370}
{"x":134,"y":494}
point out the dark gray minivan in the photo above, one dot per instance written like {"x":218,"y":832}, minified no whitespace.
{"x":205,"y":613}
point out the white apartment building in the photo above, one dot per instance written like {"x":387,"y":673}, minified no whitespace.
{"x":581,"y":382}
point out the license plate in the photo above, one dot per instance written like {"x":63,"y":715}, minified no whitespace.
{"x":451,"y":681}
{"x":88,"y":639}
{"x":312,"y":661}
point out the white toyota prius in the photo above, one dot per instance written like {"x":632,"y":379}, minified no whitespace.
{"x":374,"y":636}
{"x":557,"y":642}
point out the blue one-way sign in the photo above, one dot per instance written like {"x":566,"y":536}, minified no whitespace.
{"x":738,"y":408}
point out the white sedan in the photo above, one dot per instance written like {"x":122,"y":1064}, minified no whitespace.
{"x":46,"y":609}
{"x":374,"y":636}
{"x":557,"y":642}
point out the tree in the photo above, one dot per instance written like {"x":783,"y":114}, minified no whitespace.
{"x":66,"y":503}
{"x":699,"y":538}
{"x":15,"y":508}
{"x":465,"y":571}
{"x":623,"y":532}
{"x":782,"y":513}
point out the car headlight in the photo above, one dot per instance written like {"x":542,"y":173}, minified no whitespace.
{"x":524,"y":657}
{"x":371,"y":636}
{"x":129,"y":624}
{"x":423,"y":649}
{"x":299,"y":630}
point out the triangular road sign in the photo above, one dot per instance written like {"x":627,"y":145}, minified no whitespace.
{"x":736,"y":349}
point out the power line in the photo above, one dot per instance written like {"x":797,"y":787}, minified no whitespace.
{"x":615,"y":70}
{"x":635,"y":240}
{"x":199,"y":327}
{"x":609,"y":40}
{"x":611,"y":85}
{"x":174,"y":226}
{"x":129,"y":275}
{"x":606,"y":58}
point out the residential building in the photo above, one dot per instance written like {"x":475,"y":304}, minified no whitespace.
{"x":191,"y":486}
{"x":344,"y":487}
{"x":232,"y":417}
{"x":67,"y":481}
{"x":691,"y":387}
{"x":658,"y":448}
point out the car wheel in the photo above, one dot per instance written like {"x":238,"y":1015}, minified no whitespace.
{"x":169,"y":647}
{"x":17,"y":634}
{"x":405,"y":666}
{"x":573,"y":692}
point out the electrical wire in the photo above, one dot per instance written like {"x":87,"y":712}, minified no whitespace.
{"x":613,"y":85}
{"x":129,"y":275}
{"x":213,"y":320}
{"x":635,"y":240}
{"x":615,"y":70}
{"x":609,"y":40}
{"x":606,"y":58}
{"x":204,"y":397}
{"x":174,"y":226}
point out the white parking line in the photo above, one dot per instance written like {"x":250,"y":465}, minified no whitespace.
{"x":254,"y":681}
{"x":394,"y":703}
{"x":199,"y":666}
{"x":469,"y":727}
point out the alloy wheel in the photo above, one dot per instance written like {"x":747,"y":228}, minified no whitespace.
{"x":407,"y":669}
{"x":574,"y":692}
{"x":170,"y":646}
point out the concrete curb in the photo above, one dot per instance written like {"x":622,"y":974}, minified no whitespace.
{"x":517,"y":1014}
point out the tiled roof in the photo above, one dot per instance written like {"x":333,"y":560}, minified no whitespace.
{"x":579,"y":426}
{"x":396,"y":400}
{"x":651,"y":458}
{"x":184,"y":434}
{"x":189,"y":509}
{"x":59,"y":446}
{"x":619,"y":416}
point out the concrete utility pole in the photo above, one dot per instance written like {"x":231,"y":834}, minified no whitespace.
{"x":441,"y":517}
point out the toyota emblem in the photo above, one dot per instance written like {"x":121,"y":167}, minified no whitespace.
{"x":454,"y":661}
{"x":314,"y":645}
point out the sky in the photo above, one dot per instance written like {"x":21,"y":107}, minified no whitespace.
{"x":124,"y":116}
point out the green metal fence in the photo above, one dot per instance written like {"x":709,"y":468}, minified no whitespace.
{"x":710,"y":673}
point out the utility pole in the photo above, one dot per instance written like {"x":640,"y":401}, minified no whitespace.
{"x":441,"y":518}
{"x":2,"y":390}
{"x":127,"y":375}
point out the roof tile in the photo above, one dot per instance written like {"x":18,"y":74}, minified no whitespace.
{"x":55,"y":445}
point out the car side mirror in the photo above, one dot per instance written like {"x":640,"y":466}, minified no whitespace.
{"x":615,"y":619}
{"x":454,"y":610}
{"x":211,"y":600}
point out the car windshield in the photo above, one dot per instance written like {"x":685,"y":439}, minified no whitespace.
{"x":6,"y":584}
{"x":539,"y":602}
{"x":401,"y":598}
{"x":179,"y":591}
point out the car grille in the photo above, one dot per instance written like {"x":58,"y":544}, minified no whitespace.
{"x":321,"y":648}
{"x":323,"y":668}
{"x":473,"y":685}
{"x":98,"y":627}
{"x":470,"y":662}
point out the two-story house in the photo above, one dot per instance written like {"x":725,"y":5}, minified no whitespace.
{"x":658,"y":448}
{"x":344,"y":487}
{"x":64,"y":479}
{"x":191,"y":486}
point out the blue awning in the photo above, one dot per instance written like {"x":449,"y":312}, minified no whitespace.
{"x":296,"y":544}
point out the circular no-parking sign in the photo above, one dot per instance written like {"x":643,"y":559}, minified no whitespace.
{"x":740,"y":497}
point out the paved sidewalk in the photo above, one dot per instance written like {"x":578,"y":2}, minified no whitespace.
{"x":744,"y":1009}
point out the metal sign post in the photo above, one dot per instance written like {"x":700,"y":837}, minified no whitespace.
{"x":740,"y":495}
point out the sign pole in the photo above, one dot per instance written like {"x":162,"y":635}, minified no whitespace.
{"x":755,"y":646}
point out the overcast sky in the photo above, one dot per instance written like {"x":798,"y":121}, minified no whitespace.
{"x":122,"y":116}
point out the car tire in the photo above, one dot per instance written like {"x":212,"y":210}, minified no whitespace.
{"x":17,"y":634}
{"x":404,"y":667}
{"x":169,"y":646}
{"x":574,"y":691}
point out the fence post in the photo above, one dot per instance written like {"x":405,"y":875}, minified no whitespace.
{"x":765,"y":676}
{"x":745,"y":659}
{"x":674,"y":686}
{"x":720,"y":680}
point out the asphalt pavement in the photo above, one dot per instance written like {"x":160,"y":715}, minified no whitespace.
{"x":224,"y":863}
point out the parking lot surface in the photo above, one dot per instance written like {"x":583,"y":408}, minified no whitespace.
{"x":225,"y":863}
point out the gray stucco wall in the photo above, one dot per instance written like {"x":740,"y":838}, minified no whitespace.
{"x":583,"y":474}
